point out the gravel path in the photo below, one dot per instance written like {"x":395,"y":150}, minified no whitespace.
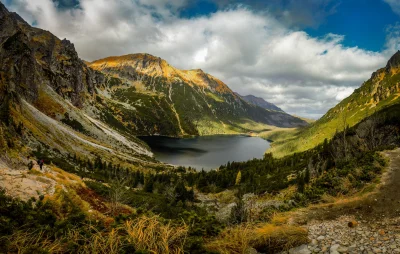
{"x":337,"y":237}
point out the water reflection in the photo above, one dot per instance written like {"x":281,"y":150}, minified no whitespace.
{"x":206,"y":152}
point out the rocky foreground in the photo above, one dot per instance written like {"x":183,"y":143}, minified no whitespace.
{"x":368,"y":225}
{"x":337,"y":237}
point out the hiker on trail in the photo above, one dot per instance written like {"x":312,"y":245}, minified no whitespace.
{"x":40,"y":162}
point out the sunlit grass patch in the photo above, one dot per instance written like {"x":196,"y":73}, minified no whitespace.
{"x":150,"y":234}
{"x":234,"y":240}
{"x":271,"y":238}
{"x":266,"y":238}
{"x":215,"y":97}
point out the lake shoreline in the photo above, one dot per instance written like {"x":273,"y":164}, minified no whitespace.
{"x":206,"y":152}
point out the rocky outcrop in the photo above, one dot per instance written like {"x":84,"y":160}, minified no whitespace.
{"x":30,"y":57}
{"x":51,"y":92}
{"x":394,"y":62}
{"x":335,"y":236}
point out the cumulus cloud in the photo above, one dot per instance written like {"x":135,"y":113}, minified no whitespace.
{"x":253,"y":52}
{"x":293,"y":13}
{"x":395,"y":5}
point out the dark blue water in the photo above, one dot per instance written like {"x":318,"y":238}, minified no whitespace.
{"x":206,"y":152}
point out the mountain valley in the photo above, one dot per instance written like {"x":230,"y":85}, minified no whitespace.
{"x":77,"y":177}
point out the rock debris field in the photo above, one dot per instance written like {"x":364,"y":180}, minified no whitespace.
{"x":337,"y":237}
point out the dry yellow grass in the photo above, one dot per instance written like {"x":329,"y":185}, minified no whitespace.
{"x":280,"y":219}
{"x":271,"y":238}
{"x":149,"y":233}
{"x":98,"y":243}
{"x":31,"y":242}
{"x":146,"y":234}
{"x":48,"y":105}
{"x":235,"y":240}
{"x":267,"y":238}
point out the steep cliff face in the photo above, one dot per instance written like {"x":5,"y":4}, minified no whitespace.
{"x":201,"y":103}
{"x":48,"y":90}
{"x":32,"y":57}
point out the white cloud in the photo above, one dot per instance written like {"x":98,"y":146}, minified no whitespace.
{"x":343,"y":93}
{"x":254,"y":53}
{"x":395,"y":5}
{"x":292,"y":13}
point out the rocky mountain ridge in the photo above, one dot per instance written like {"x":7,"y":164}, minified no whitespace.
{"x":258,"y":101}
{"x":201,"y":103}
{"x":150,"y":65}
{"x":51,"y":94}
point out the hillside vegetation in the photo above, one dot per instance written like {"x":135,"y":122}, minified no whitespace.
{"x":179,"y":102}
{"x":379,"y":92}
{"x":114,"y":209}
{"x":101,"y":191}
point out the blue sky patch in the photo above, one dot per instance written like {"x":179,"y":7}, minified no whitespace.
{"x":364,"y":23}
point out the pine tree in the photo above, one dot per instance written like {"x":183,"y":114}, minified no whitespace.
{"x":300,"y":183}
{"x":180,"y":192}
{"x":238,"y":178}
{"x":238,"y":212}
{"x":307,"y":176}
{"x":202,"y":181}
{"x":190,"y":195}
{"x":5,"y":111}
{"x":148,"y":184}
{"x":3,"y":143}
{"x":19,"y":128}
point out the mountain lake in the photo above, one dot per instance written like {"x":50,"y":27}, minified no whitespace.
{"x":206,"y":152}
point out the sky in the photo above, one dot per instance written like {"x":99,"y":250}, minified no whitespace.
{"x":305,"y":56}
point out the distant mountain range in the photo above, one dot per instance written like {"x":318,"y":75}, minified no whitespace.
{"x":64,"y":104}
{"x":100,"y":107}
{"x":194,"y":101}
{"x":260,"y":102}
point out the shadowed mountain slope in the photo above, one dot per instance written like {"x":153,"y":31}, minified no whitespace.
{"x":260,"y":102}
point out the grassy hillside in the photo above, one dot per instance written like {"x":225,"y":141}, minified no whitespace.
{"x":192,"y":101}
{"x":380,"y":91}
